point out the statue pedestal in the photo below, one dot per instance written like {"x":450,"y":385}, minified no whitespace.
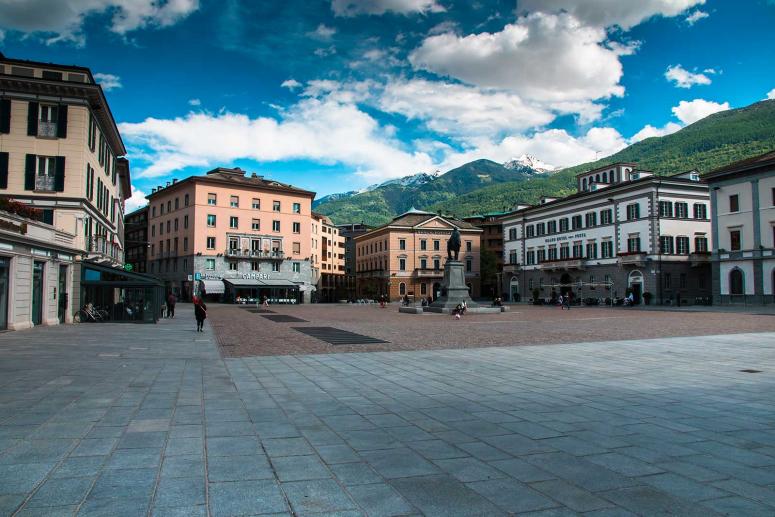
{"x":454,"y":288}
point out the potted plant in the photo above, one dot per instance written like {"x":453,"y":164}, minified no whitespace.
{"x":647,"y":297}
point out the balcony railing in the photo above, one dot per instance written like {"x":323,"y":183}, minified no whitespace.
{"x":234,"y":252}
{"x":45,"y":183}
{"x":634,"y":258}
{"x":428,"y":272}
{"x":47,"y":129}
{"x":570,"y":263}
{"x":512,"y":268}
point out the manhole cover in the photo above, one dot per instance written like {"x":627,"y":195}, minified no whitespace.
{"x":336,"y":336}
{"x":284,"y":318}
{"x":748,"y":370}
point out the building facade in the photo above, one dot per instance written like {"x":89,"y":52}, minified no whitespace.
{"x":492,"y":251}
{"x":349,"y":232}
{"x":743,"y":210}
{"x":136,"y":239}
{"x":232,"y":236}
{"x":60,"y":152}
{"x":37,"y":281}
{"x":328,"y":256}
{"x":624,"y":231}
{"x":406,"y":256}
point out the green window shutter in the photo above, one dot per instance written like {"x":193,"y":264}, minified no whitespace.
{"x":32,"y":119}
{"x":3,"y":170}
{"x":5,"y":115}
{"x":59,"y":177}
{"x":62,"y":121}
{"x":29,"y":172}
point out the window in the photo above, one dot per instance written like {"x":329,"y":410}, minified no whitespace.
{"x":153,"y":209}
{"x":513,"y":257}
{"x":169,"y":206}
{"x":665,"y":209}
{"x":176,"y":224}
{"x":564,"y":252}
{"x":469,"y":265}
{"x":296,"y":267}
{"x":402,"y":244}
{"x":256,"y":204}
{"x":186,"y":200}
{"x":296,"y":227}
{"x":512,"y":234}
{"x":576,"y":222}
{"x":734,"y":203}
{"x":540,"y":229}
{"x":666,"y":245}
{"x":233,"y":222}
{"x":682,"y":245}
{"x":578,"y":250}
{"x":591,"y":219}
{"x":423,"y":263}
{"x":551,"y":227}
{"x":531,"y":257}
{"x":161,"y":228}
{"x":185,"y":221}
{"x":211,"y":243}
{"x":700,"y":245}
{"x":530,"y":230}
{"x":633,"y":244}
{"x":232,"y":266}
{"x":47,"y":166}
{"x":275,"y":206}
{"x":275,"y":226}
{"x":161,"y":209}
{"x":92,"y":138}
{"x":211,"y":220}
{"x":633,"y":211}
{"x":153,"y":231}
{"x":47,"y":120}
{"x":682,"y":210}
{"x":423,"y":244}
{"x":468,"y":246}
{"x":402,"y":289}
{"x":254,"y":266}
{"x":700,"y":211}
{"x":168,"y":226}
{"x":234,"y":201}
{"x":552,"y":253}
{"x":423,"y":289}
{"x":735,"y":243}
{"x":402,"y":264}
{"x":185,"y":244}
{"x":592,"y":250}
{"x":275,"y":267}
{"x":177,"y":203}
{"x":541,"y":255}
{"x":210,"y":264}
{"x":584,"y":184}
{"x":211,"y":199}
{"x":736,"y":282}
{"x":564,"y":224}
{"x":297,"y":248}
{"x":605,"y":216}
{"x":607,"y":249}
{"x":297,"y":208}
{"x":256,"y":224}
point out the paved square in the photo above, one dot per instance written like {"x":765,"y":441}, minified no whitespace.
{"x":151,"y":420}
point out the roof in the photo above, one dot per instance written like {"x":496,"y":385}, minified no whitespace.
{"x":755,"y":162}
{"x":44,"y":64}
{"x":615,"y":164}
{"x":416,"y":218}
{"x":236,"y":177}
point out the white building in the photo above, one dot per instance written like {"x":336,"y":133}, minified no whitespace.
{"x":743,"y":210}
{"x":624,"y":230}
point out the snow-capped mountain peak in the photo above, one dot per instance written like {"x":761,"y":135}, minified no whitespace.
{"x":531,"y":162}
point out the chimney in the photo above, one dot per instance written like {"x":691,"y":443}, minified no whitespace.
{"x":159,"y":187}
{"x":168,"y":184}
{"x":254,"y":175}
{"x":153,"y":190}
{"x":174,"y":180}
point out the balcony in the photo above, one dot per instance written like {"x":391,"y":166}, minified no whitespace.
{"x":428,"y":272}
{"x":47,"y":129}
{"x":254,"y":254}
{"x":512,"y":268}
{"x":634,"y":258}
{"x":44,"y":183}
{"x":563,"y":264}
{"x":699,"y":258}
{"x":373,"y":273}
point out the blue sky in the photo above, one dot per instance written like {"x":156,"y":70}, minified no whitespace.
{"x":334,"y":95}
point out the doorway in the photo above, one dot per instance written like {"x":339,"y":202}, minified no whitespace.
{"x":514,"y":289}
{"x":37,"y":293}
{"x":5,"y":266}
{"x":635,"y":283}
{"x":565,"y":281}
{"x":63,"y":294}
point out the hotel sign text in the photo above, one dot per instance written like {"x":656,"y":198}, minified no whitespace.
{"x":566,"y":237}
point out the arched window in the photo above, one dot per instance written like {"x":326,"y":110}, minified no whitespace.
{"x":402,"y":288}
{"x":736,"y":282}
{"x":597,"y":178}
{"x":185,"y":200}
{"x":605,"y":177}
{"x":584,"y":184}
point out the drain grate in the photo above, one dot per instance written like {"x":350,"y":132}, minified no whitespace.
{"x":336,"y":336}
{"x":284,"y":318}
{"x":749,"y":370}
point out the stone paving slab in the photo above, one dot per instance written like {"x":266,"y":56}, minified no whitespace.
{"x":150,"y":420}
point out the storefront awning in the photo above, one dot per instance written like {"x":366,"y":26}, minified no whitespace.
{"x":278,"y":282}
{"x":243,"y":282}
{"x":213,"y":286}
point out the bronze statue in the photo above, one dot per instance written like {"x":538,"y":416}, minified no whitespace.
{"x":453,"y":244}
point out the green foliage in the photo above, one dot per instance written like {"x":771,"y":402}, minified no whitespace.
{"x":486,"y":186}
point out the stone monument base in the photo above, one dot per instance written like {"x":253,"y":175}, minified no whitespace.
{"x":455,"y":291}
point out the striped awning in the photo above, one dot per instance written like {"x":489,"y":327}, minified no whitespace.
{"x":213,"y":286}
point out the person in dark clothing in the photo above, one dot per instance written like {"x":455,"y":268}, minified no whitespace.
{"x":200,"y":313}
{"x":171,"y":301}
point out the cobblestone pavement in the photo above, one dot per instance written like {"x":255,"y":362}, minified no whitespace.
{"x":131,"y":420}
{"x":242,"y":333}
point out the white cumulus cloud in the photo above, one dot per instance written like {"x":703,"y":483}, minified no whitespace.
{"x":648,"y":131}
{"x":605,"y":13}
{"x":771,"y":94}
{"x":62,"y":20}
{"x":696,"y":16}
{"x":349,"y":8}
{"x":108,"y":81}
{"x":683,"y":78}
{"x":291,"y":84}
{"x":323,"y":32}
{"x":137,"y":200}
{"x":692,"y":111}
{"x":194,"y":102}
{"x":541,"y":57}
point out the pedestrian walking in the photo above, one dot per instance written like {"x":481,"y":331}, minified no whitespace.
{"x":200,"y":313}
{"x":561,"y":302}
{"x":567,"y":301}
{"x":171,"y":301}
{"x":266,"y":301}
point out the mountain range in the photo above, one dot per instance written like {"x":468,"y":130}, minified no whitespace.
{"x":485,"y":186}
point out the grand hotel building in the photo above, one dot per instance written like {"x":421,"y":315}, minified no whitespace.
{"x":624,"y":230}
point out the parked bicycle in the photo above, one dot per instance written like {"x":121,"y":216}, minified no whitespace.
{"x":88,"y":313}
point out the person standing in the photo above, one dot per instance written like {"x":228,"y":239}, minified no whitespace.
{"x":566,"y":300}
{"x":200,"y":313}
{"x":171,"y":301}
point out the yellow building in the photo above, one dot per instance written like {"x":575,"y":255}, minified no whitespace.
{"x":60,"y":152}
{"x":328,"y":256}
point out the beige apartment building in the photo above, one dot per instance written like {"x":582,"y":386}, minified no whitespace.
{"x":231,"y":236}
{"x":406,"y":256}
{"x":60,"y":152}
{"x":328,"y":257}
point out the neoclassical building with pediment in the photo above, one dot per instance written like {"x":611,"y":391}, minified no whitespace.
{"x":406,"y":256}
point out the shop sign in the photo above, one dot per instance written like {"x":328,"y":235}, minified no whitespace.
{"x":244,"y":276}
{"x":128,"y":267}
{"x":566,"y":237}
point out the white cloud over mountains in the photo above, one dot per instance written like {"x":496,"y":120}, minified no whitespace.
{"x":63,"y":20}
{"x":349,"y":8}
{"x":683,"y":78}
{"x":689,"y":112}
